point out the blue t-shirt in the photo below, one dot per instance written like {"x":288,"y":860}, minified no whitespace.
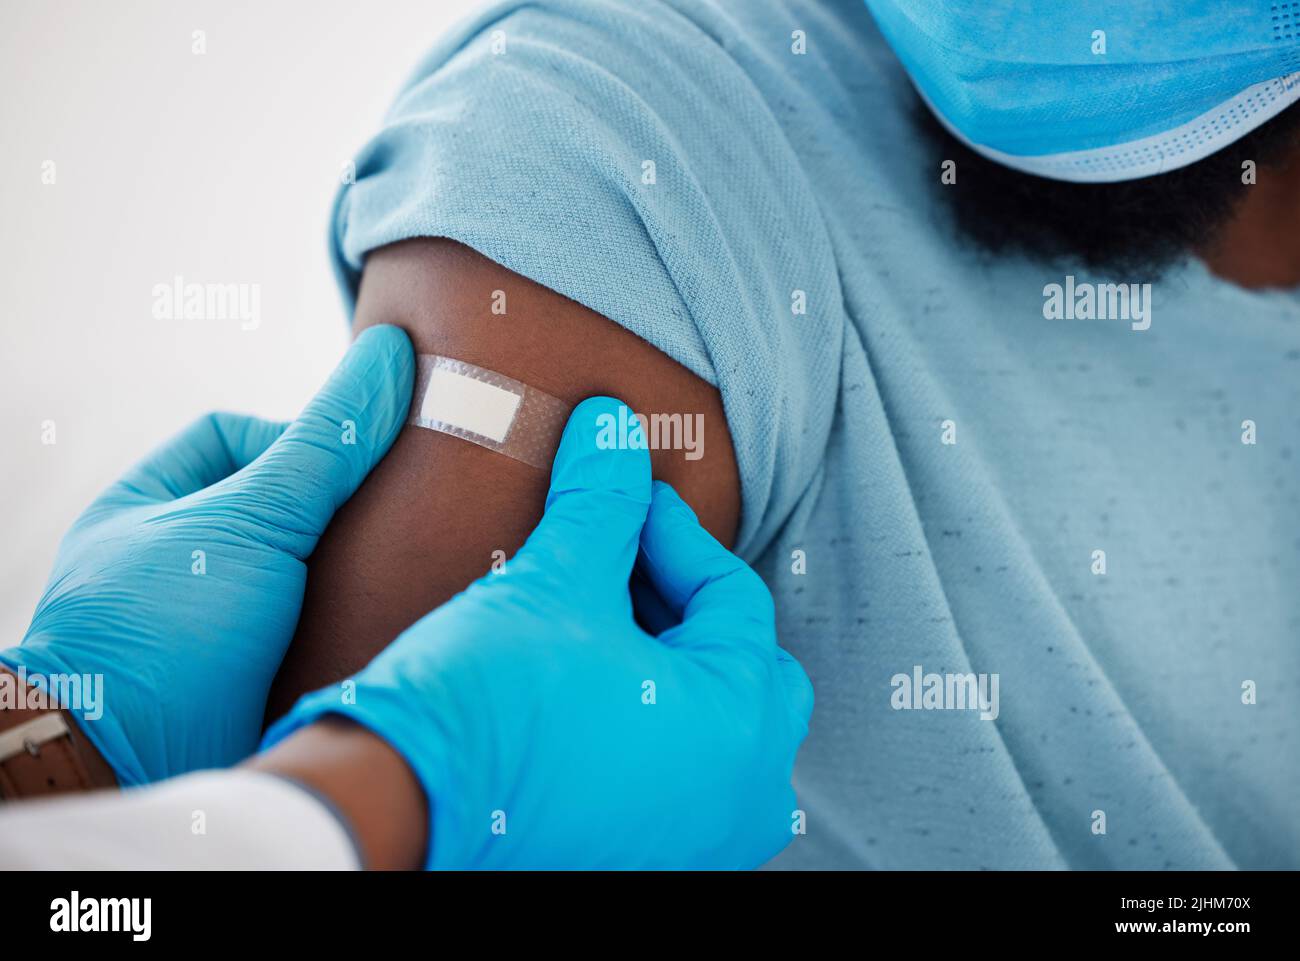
{"x":948,"y":467}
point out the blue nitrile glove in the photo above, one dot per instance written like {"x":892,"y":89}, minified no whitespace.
{"x":550,"y":731}
{"x":186,"y":642}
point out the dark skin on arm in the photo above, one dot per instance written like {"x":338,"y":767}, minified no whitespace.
{"x":367,"y":782}
{"x":427,"y":520}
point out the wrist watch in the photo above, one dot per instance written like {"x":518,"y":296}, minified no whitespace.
{"x":43,"y":752}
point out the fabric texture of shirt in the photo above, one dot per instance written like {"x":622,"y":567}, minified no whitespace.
{"x":928,"y":463}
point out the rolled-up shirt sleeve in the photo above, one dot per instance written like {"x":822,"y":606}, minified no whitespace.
{"x":621,"y":154}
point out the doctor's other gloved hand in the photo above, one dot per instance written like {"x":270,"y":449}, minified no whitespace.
{"x":182,"y":583}
{"x":548,"y":730}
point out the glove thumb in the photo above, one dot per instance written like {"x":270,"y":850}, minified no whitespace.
{"x":597,"y":503}
{"x":323,"y":456}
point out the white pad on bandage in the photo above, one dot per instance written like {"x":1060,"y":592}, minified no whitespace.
{"x":488,"y":409}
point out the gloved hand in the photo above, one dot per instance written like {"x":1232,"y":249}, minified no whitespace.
{"x":549,"y":730}
{"x":188,"y":642}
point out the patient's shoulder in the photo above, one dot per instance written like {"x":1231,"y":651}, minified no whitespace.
{"x":456,"y":302}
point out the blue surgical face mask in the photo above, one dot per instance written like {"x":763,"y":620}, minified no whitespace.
{"x":1091,"y":90}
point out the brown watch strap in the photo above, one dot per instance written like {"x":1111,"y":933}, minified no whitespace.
{"x":43,"y":752}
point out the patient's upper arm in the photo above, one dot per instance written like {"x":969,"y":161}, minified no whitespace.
{"x":428,"y":519}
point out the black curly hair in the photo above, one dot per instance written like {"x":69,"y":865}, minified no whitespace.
{"x":1144,"y":224}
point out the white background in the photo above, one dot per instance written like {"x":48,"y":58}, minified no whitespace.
{"x":220,"y":168}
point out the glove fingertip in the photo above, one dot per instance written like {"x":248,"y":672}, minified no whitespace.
{"x":389,"y":349}
{"x":668,"y":498}
{"x":602,"y":450}
{"x":387,"y":338}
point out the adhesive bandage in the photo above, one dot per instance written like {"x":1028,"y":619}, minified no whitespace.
{"x":488,"y":409}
